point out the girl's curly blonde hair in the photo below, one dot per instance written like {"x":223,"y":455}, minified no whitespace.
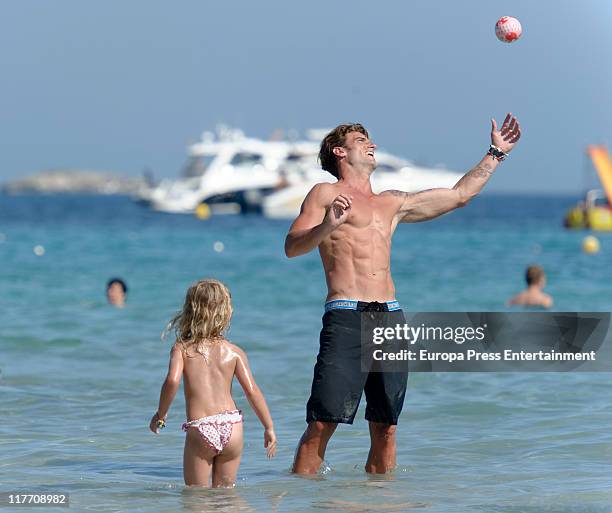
{"x":205,"y":315}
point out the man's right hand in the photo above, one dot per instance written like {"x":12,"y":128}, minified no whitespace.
{"x":338,"y":211}
{"x":318,"y":218}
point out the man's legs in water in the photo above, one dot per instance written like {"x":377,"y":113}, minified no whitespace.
{"x":311,"y":449}
{"x":381,"y":458}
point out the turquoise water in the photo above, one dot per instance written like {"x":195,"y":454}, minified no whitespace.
{"x":80,"y":380}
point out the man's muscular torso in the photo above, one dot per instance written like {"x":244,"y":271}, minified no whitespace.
{"x":356,"y":256}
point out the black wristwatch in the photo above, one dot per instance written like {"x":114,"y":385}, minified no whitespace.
{"x":496,"y":153}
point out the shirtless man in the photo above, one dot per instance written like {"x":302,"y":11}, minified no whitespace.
{"x":352,"y":227}
{"x":534,"y":294}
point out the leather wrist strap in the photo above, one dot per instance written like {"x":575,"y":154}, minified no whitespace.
{"x":496,"y":153}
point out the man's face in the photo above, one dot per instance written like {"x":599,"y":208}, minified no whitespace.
{"x":359,"y":150}
{"x":115,"y":294}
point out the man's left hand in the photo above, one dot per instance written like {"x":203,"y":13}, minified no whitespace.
{"x":507,"y":137}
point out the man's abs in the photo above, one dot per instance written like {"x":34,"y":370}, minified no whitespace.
{"x":361,"y":272}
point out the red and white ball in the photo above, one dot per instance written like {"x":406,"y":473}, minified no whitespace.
{"x":508,"y":29}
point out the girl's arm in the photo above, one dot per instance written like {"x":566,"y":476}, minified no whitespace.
{"x":168,"y":390}
{"x":256,"y":400}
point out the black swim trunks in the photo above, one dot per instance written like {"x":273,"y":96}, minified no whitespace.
{"x":338,"y":376}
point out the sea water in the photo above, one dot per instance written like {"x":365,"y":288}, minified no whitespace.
{"x":80,"y":380}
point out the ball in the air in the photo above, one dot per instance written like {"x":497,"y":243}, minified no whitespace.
{"x":508,"y":29}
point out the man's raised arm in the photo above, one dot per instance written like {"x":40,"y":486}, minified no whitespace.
{"x":318,"y":218}
{"x":425,"y":205}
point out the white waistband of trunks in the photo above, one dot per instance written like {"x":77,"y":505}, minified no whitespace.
{"x":351,"y":304}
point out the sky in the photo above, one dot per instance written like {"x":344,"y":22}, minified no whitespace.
{"x":125,"y":85}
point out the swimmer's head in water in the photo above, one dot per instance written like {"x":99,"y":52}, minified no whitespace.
{"x":205,"y":315}
{"x":336,"y":138}
{"x":534,"y":275}
{"x":116,"y":289}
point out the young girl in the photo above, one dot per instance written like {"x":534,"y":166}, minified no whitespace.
{"x":208,"y":362}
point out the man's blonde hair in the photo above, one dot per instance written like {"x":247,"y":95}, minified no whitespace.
{"x":205,"y":315}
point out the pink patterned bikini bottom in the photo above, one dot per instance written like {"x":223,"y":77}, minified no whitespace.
{"x":216,"y":430}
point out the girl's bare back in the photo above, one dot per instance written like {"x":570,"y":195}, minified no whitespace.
{"x":208,"y":378}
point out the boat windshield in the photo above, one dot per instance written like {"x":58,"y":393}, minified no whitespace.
{"x":601,"y":202}
{"x":246,"y":159}
{"x":385,"y":168}
{"x":196,"y":166}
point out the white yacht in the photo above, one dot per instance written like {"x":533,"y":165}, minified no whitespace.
{"x":229,"y":171}
{"x":391,"y":173}
{"x":233,"y":173}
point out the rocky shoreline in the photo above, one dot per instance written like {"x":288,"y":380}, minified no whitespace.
{"x":75,"y":181}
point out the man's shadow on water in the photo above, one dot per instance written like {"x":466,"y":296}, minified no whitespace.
{"x":339,"y":505}
{"x":220,"y":500}
{"x":224,"y":500}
